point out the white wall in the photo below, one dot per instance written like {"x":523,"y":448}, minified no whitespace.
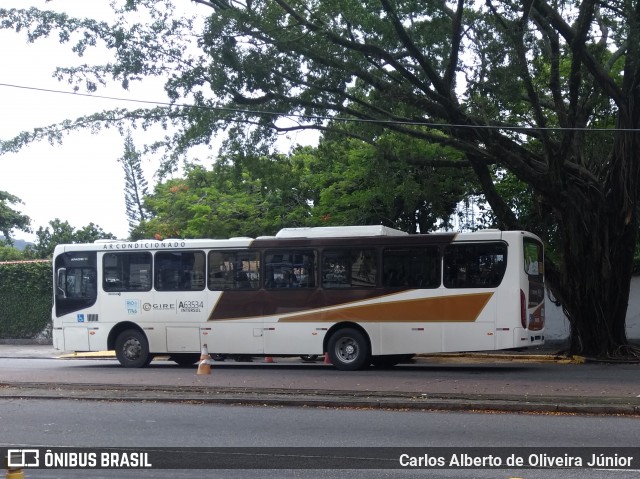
{"x":557,"y":326}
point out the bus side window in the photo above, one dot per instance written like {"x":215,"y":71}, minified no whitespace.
{"x":230,"y":270}
{"x":349,"y":268}
{"x":417,"y":267}
{"x":126,"y":271}
{"x":179,"y":270}
{"x":475,"y":265}
{"x":290,"y":269}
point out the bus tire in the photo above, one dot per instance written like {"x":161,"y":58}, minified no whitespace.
{"x":132,"y":349}
{"x":349,"y":350}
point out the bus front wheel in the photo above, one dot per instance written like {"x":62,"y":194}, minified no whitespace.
{"x":349,"y":350}
{"x":132,"y":349}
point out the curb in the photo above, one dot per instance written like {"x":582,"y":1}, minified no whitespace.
{"x":557,"y":358}
{"x":90,"y":355}
{"x":273,"y":397}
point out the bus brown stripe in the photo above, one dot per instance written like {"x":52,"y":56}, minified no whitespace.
{"x":459,"y":308}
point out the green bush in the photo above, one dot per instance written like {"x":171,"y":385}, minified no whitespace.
{"x":25,"y":299}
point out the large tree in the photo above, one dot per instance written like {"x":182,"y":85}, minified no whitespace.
{"x":545,"y":90}
{"x":135,"y":184}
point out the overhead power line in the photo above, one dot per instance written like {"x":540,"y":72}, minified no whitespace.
{"x":301,"y":116}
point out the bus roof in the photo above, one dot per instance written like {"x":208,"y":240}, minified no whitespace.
{"x":339,"y":231}
{"x":290,"y":235}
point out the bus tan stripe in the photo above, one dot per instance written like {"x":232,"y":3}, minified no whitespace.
{"x":459,"y":308}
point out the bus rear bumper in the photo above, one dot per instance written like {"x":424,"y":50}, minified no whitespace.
{"x":523,"y":338}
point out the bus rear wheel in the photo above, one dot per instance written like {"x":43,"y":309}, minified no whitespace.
{"x":349,"y":350}
{"x":132,"y":349}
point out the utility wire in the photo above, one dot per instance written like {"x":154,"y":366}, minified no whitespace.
{"x":320,"y":117}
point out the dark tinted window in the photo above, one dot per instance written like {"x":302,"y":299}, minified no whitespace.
{"x":234,"y":270}
{"x":179,"y":271}
{"x":474,"y":265}
{"x":290,"y":269}
{"x":349,"y":268}
{"x":126,"y":272}
{"x":411,"y":267}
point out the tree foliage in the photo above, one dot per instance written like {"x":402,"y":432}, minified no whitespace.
{"x":228,"y":200}
{"x":546,"y":91}
{"x":10,"y":253}
{"x":61,"y":232}
{"x":11,"y":219}
{"x":387,"y":180}
{"x":340,"y":182}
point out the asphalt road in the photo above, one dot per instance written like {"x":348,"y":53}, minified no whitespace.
{"x":168,"y":406}
{"x":444,"y":382}
{"x":72,"y":423}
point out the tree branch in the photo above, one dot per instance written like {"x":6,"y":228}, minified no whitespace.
{"x":414,"y":51}
{"x":601,"y":76}
{"x":456,"y":39}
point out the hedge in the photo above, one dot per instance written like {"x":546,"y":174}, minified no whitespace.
{"x":25,"y":298}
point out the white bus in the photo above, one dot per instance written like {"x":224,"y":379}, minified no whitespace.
{"x":366,"y":295}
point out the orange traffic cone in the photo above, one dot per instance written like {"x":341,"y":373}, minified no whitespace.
{"x":204,"y":365}
{"x":326,"y":359}
{"x":268,"y":359}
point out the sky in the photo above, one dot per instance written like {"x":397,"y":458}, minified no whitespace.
{"x":81,"y":180}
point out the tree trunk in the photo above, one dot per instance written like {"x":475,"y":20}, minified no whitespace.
{"x":596,"y":283}
{"x":599,"y":236}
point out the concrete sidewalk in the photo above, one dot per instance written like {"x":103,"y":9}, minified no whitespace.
{"x":516,"y":382}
